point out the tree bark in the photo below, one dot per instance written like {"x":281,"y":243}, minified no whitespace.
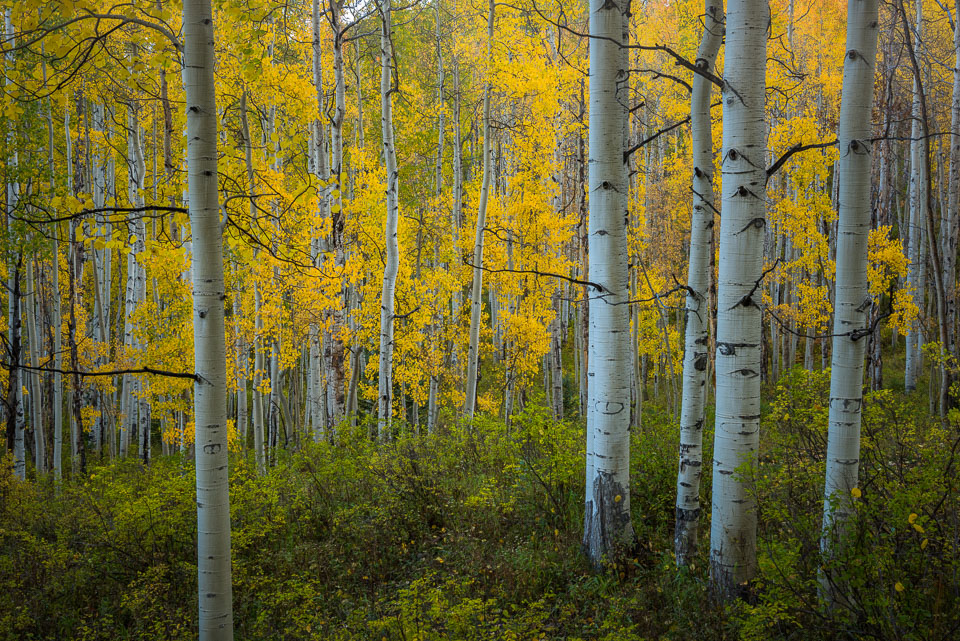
{"x":917,"y":200}
{"x":476,"y":296}
{"x":853,"y":305}
{"x":392,"y":263}
{"x":734,"y":523}
{"x":697,"y":335}
{"x":608,"y":529}
{"x":210,"y":410}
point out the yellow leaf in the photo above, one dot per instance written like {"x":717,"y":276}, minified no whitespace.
{"x":898,"y":586}
{"x":912,"y":518}
{"x":923,"y":545}
{"x":617,"y":498}
{"x":918,"y":528}
{"x":856,"y":493}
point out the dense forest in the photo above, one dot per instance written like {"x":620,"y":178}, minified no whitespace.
{"x":464,"y":319}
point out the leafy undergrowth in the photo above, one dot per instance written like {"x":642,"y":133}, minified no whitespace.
{"x":475,"y":534}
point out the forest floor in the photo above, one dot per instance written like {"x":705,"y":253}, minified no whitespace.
{"x":474,"y":533}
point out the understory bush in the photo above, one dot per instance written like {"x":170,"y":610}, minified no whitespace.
{"x":475,"y":533}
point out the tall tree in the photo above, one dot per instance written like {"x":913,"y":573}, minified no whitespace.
{"x":696,"y":356}
{"x":476,"y":296}
{"x":733,"y":533}
{"x":209,"y":337}
{"x":607,"y":524}
{"x":392,"y":262}
{"x":853,"y":304}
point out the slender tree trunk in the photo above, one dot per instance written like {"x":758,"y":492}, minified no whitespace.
{"x":213,"y":495}
{"x":734,"y":523}
{"x":852,"y":308}
{"x":608,"y":529}
{"x":917,"y":200}
{"x":476,"y":296}
{"x":33,"y":344}
{"x":697,"y":337}
{"x":391,"y":266}
{"x":57,"y":365}
{"x":951,"y":226}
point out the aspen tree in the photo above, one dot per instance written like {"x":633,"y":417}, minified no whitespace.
{"x":318,"y":156}
{"x":334,"y":346}
{"x":917,"y":204}
{"x":734,"y":514}
{"x":697,"y":341}
{"x":852,"y":308}
{"x":33,"y":345}
{"x":392,"y":263}
{"x":432,"y":407}
{"x":476,"y":296}
{"x":607,"y":524}
{"x":951,"y":226}
{"x":15,"y":416}
{"x":210,"y":408}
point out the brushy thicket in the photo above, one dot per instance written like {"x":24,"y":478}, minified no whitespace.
{"x":475,"y":534}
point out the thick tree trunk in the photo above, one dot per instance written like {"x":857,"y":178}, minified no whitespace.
{"x":734,"y":524}
{"x":608,"y":529}
{"x":697,"y":337}
{"x":852,"y":308}
{"x":213,"y":494}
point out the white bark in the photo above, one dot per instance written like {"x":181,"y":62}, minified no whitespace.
{"x":476,"y":296}
{"x":258,"y":444}
{"x":952,"y":224}
{"x":210,"y":409}
{"x":917,"y":204}
{"x":852,"y":303}
{"x":334,"y":345}
{"x":607,"y":524}
{"x":733,"y":528}
{"x":33,"y":344}
{"x":13,"y":282}
{"x":57,"y":365}
{"x":697,"y":336}
{"x":391,"y":266}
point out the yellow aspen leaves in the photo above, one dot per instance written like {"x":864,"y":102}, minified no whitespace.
{"x":856,"y":493}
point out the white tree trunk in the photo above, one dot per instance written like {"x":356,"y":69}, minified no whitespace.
{"x":917,"y":204}
{"x":734,"y":526}
{"x":33,"y":344}
{"x":392,"y":264}
{"x":258,"y":444}
{"x":57,"y":365}
{"x":697,"y":336}
{"x":13,"y":285}
{"x":334,"y":343}
{"x":210,"y":390}
{"x":476,"y":296}
{"x":952,"y":224}
{"x":607,"y":524}
{"x":851,"y":320}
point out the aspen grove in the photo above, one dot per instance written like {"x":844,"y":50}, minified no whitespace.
{"x":469,"y":319}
